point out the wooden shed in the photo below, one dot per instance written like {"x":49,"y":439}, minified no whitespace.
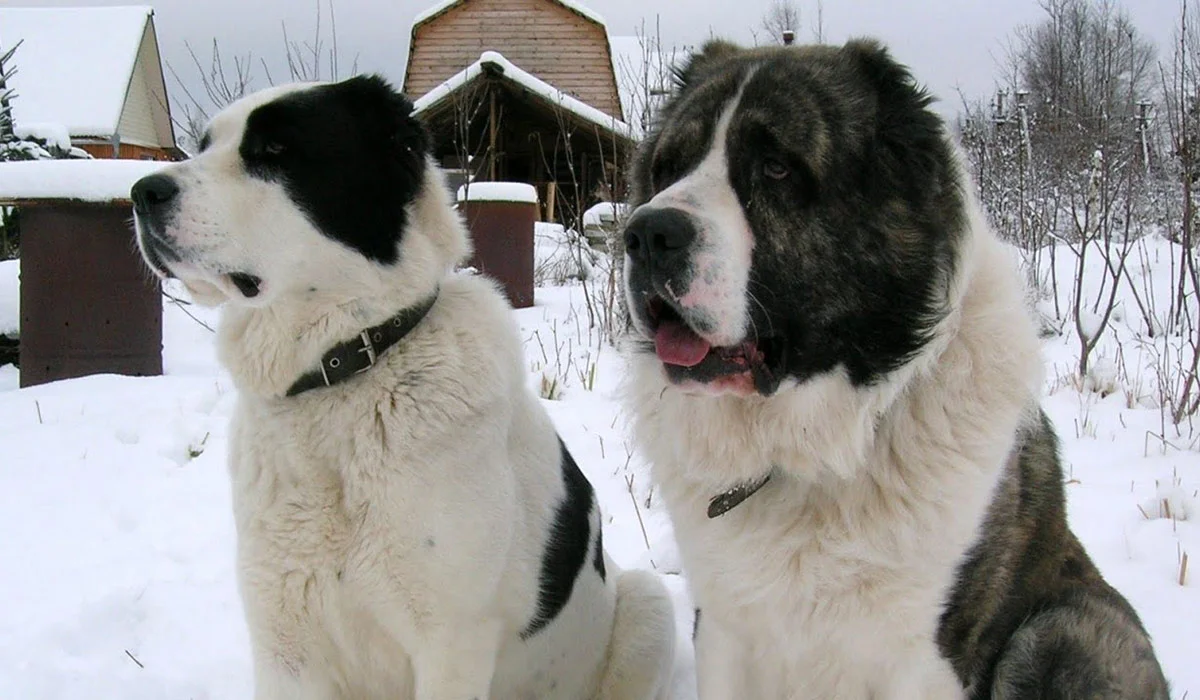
{"x":522,"y":90}
{"x":94,"y":73}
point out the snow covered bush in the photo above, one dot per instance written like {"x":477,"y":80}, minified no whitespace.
{"x":40,"y":142}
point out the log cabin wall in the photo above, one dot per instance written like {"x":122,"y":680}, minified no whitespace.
{"x":542,"y":37}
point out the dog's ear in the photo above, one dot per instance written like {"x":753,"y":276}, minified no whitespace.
{"x":909,"y":139}
{"x":714,"y":53}
{"x":374,"y":95}
{"x":892,"y":81}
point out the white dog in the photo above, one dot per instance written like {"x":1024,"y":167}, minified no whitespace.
{"x":409,"y":523}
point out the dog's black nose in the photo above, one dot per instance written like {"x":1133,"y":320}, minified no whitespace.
{"x":151,"y":192}
{"x":659,"y":236}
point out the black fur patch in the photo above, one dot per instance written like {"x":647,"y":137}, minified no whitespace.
{"x":566,"y":548}
{"x":351,"y":156}
{"x":598,"y":555}
{"x":850,"y":188}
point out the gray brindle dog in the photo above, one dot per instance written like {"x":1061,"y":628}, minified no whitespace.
{"x":837,"y":385}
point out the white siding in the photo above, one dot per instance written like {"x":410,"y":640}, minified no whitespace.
{"x":145,"y":120}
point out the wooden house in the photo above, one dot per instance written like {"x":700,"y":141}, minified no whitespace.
{"x":522,"y":90}
{"x":94,"y":72}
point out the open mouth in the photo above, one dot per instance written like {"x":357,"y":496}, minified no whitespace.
{"x":689,"y":357}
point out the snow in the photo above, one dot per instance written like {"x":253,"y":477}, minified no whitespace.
{"x":99,"y":180}
{"x":51,"y":133}
{"x":498,"y":192}
{"x":75,"y":64}
{"x":526,"y":80}
{"x":120,"y":546}
{"x":604,"y":213}
{"x":561,"y":254}
{"x":10,"y":297}
{"x":446,"y":5}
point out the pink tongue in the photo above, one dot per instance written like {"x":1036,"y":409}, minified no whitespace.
{"x":676,"y":344}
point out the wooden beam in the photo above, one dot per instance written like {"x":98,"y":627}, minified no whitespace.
{"x":492,"y":129}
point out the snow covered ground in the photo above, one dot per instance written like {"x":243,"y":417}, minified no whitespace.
{"x":116,"y":559}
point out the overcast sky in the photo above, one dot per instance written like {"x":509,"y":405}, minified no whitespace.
{"x":948,"y":43}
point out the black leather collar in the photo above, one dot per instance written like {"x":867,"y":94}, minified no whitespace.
{"x":726,"y":501}
{"x":356,"y":356}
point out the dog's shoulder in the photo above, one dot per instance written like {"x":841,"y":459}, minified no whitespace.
{"x":472,"y":313}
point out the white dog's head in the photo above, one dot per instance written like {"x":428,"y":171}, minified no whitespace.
{"x":316,"y":192}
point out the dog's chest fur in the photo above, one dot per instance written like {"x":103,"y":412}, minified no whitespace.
{"x":829,"y":588}
{"x":832,"y":578}
{"x":309,"y":473}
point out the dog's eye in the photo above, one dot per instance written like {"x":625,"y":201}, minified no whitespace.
{"x":273,"y":148}
{"x":775,"y":169}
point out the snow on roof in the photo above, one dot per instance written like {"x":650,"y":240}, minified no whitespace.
{"x":446,"y":5}
{"x":74,"y":65}
{"x":526,"y":80}
{"x":86,"y":180}
{"x":604,"y":213}
{"x":498,"y":192}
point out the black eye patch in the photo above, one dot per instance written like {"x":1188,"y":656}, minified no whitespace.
{"x":349,"y":155}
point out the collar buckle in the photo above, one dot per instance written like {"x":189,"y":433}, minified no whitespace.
{"x":369,"y":348}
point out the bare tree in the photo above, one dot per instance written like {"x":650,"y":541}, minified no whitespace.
{"x":818,"y":28}
{"x":220,"y":88}
{"x":1080,"y":65}
{"x":647,"y":77}
{"x":1180,"y":363}
{"x":468,"y":103}
{"x":1059,"y":156}
{"x":782,"y":16}
{"x":221,"y":83}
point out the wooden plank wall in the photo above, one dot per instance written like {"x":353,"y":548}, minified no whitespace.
{"x":540,"y":36}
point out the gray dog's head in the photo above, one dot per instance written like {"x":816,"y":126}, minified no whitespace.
{"x":797,"y":212}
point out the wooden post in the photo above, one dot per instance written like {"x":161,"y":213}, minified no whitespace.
{"x":492,"y":129}
{"x":551,"y":198}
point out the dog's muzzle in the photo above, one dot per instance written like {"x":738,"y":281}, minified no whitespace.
{"x":155,"y":198}
{"x":660,"y":241}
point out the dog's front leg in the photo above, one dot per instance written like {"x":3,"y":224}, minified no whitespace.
{"x":925,"y":676}
{"x":720,"y":661}
{"x":457,"y":662}
{"x":274,"y":680}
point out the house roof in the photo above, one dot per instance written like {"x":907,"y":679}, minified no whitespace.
{"x":447,"y":5}
{"x":496,"y":64}
{"x":74,"y":65}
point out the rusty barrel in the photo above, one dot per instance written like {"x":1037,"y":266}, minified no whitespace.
{"x":88,"y":303}
{"x":501,"y":217}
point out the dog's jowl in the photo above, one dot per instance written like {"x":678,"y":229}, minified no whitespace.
{"x":409,"y":524}
{"x":836,"y":382}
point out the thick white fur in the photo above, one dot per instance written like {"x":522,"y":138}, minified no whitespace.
{"x":829,"y":582}
{"x":390,"y":528}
